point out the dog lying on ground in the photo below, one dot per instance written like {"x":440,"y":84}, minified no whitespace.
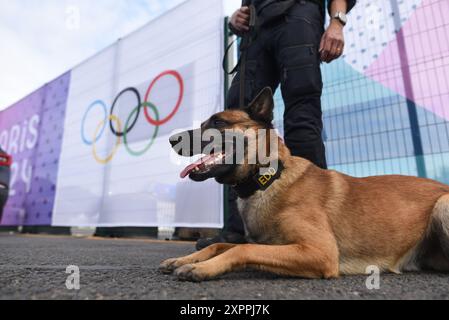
{"x":314,"y":223}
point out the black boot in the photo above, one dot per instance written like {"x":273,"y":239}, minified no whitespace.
{"x":234,"y":232}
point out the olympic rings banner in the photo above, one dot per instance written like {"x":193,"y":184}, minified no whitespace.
{"x":114,"y":164}
{"x":121,"y":129}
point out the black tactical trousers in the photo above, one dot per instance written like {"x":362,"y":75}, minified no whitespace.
{"x":285,"y":52}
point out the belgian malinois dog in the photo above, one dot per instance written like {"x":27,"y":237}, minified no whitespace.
{"x":315,"y":223}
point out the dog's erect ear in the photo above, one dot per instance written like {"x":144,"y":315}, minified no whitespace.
{"x":261,"y":109}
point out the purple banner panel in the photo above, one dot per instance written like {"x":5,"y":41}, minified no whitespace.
{"x":31,"y":131}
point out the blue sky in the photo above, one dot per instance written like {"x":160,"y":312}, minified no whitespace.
{"x":39,"y":40}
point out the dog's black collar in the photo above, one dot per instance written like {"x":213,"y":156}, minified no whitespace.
{"x":259,"y":182}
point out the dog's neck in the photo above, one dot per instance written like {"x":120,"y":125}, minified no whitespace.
{"x":259,"y":210}
{"x":262,"y":180}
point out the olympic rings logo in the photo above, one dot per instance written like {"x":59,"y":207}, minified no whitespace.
{"x":121,"y":129}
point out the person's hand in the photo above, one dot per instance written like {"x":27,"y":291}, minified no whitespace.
{"x":240,"y":20}
{"x":333,"y":42}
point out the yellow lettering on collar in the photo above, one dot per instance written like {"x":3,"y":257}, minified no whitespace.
{"x":264,"y":179}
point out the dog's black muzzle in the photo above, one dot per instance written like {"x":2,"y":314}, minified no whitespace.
{"x":189,"y":143}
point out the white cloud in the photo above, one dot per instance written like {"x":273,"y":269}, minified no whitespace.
{"x":40,"y":40}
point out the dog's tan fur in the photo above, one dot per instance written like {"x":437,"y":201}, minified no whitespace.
{"x":316,"y":223}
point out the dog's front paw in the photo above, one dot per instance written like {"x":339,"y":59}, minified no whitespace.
{"x":190,"y":272}
{"x":168,"y":266}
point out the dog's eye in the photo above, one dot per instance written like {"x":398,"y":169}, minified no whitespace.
{"x":219,"y":123}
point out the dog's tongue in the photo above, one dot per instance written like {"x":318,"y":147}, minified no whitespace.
{"x":188,"y":170}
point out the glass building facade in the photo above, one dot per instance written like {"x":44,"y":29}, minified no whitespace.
{"x":386,"y":101}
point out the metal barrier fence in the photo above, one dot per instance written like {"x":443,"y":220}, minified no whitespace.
{"x":385,"y":101}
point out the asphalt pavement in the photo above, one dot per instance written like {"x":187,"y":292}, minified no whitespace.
{"x":34,"y":267}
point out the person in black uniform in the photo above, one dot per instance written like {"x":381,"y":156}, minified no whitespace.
{"x":288,"y":51}
{"x":5,"y":173}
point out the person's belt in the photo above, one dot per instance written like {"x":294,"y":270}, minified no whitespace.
{"x":266,"y":3}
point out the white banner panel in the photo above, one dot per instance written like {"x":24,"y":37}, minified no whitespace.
{"x":117,"y":167}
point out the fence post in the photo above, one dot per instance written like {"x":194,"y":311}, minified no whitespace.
{"x":227,"y":35}
{"x":408,"y":85}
